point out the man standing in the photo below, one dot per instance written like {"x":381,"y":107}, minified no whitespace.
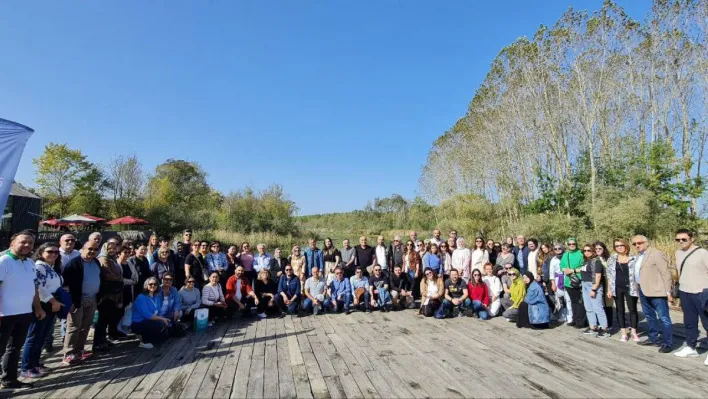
{"x":436,"y":237}
{"x":348,"y":262}
{"x":397,"y":251}
{"x":66,"y":249}
{"x":186,"y":243}
{"x":400,"y":286}
{"x":413,"y":236}
{"x":83,"y":277}
{"x":378,"y":290}
{"x":289,"y":290}
{"x":261,"y":261}
{"x":313,"y":258}
{"x":277,"y":264}
{"x":340,"y":291}
{"x":315,"y":291}
{"x":653,"y":278}
{"x":456,"y":294}
{"x":521,"y":254}
{"x":692,"y":264}
{"x":18,"y":296}
{"x":383,"y":255}
{"x":365,"y":255}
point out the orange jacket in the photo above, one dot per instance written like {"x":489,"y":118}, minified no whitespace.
{"x":231,"y":288}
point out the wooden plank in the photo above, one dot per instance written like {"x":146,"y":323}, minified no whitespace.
{"x":318,"y":385}
{"x":297,"y":363}
{"x":228,"y":371}
{"x":271,"y":370}
{"x":286,"y":383}
{"x":255,"y":378}
{"x":216,"y":367}
{"x":240,"y":384}
{"x":197,"y":371}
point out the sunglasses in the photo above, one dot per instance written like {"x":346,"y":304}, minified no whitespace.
{"x":70,"y":240}
{"x":152,"y":285}
{"x":169,"y":280}
{"x":572,"y":244}
{"x":619,"y":246}
{"x":681,"y":240}
{"x":190,"y":281}
{"x":92,"y":249}
{"x":52,"y":252}
{"x":638,"y":243}
{"x":511,"y":274}
{"x":557,"y":249}
{"x":587,"y":250}
{"x":288,"y":270}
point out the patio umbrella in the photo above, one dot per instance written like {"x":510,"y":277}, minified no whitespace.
{"x":95,"y":218}
{"x":53,"y":222}
{"x":76,"y":219}
{"x":127,"y":220}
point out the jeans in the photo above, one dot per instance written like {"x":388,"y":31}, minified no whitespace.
{"x":290,"y":309}
{"x":343,"y":303}
{"x":449,"y":306}
{"x":656,"y":309}
{"x":36,"y":336}
{"x":364,"y":299}
{"x":480,"y":309}
{"x":692,"y":311}
{"x":13,"y":331}
{"x":594,"y":307}
{"x":308,"y":305}
{"x":382,"y":298}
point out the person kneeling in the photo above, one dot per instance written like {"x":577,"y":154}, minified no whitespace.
{"x":316,"y":293}
{"x":289,"y":289}
{"x":431,"y":290}
{"x":213,"y":299}
{"x":266,"y":290}
{"x":401,"y":292}
{"x":479,"y":295}
{"x":456,"y":295}
{"x":378,"y":290}
{"x":360,"y":288}
{"x":146,"y":322}
{"x":239,"y":294}
{"x":517,"y":293}
{"x":340,"y":291}
{"x":534,"y":311}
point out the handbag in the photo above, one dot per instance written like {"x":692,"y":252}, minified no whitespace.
{"x":64,"y":298}
{"x":574,"y":280}
{"x":178,"y":329}
{"x":676,"y":287}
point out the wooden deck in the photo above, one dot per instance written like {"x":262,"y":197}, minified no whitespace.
{"x":377,"y":355}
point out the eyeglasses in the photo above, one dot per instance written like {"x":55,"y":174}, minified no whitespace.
{"x":54,"y":252}
{"x":511,"y":274}
{"x":638,"y":243}
{"x":587,"y":250}
{"x":152,"y":285}
{"x":557,"y":249}
{"x":70,"y":240}
{"x":190,"y":281}
{"x":681,"y":240}
{"x":92,"y":249}
{"x":288,"y":270}
{"x":572,"y":244}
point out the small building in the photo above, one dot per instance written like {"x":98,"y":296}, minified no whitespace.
{"x":23,"y":211}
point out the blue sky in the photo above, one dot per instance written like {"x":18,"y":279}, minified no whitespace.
{"x":337,"y":101}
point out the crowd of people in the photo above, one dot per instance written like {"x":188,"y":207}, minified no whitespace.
{"x":154,"y":289}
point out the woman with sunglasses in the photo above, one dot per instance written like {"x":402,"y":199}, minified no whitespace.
{"x":479,"y":294}
{"x":298,"y":263}
{"x":446,"y":257}
{"x":131,"y":277}
{"x":593,"y":293}
{"x":147,"y":323}
{"x":163,"y":264}
{"x":49,"y":281}
{"x":194,"y":264}
{"x":533,"y":311}
{"x":517,"y":294}
{"x":412,"y":264}
{"x":266,"y":289}
{"x":571,"y":263}
{"x":479,"y":254}
{"x":557,"y":286}
{"x":603,"y":254}
{"x":190,"y":299}
{"x":622,"y":288}
{"x":432,"y":259}
{"x":432,"y":289}
{"x":216,"y":261}
{"x":171,"y":307}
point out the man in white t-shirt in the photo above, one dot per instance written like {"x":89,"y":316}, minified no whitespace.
{"x":18,"y":297}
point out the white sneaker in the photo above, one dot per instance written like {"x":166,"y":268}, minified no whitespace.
{"x":706,"y":362}
{"x":262,"y":315}
{"x":146,"y":345}
{"x":686,"y":351}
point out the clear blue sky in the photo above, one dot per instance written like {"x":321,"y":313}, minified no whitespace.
{"x":337,"y":101}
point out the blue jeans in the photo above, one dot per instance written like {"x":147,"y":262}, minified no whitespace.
{"x":383,"y":298}
{"x":692,"y":311}
{"x":594,"y":307}
{"x":308,"y":305}
{"x":36,"y":335}
{"x":656,"y":309}
{"x":290,"y":309}
{"x":342,"y":303}
{"x":449,"y":306}
{"x":479,"y":309}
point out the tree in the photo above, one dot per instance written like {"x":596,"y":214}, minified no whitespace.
{"x":62,"y":175}
{"x":125,"y":185}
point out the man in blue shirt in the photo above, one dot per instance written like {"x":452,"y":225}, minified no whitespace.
{"x":521,"y":254}
{"x":340,"y":290}
{"x":261,"y":261}
{"x":313,"y":258}
{"x":289,"y":288}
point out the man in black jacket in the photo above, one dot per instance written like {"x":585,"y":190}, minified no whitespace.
{"x":277,"y":264}
{"x":401,"y":289}
{"x":83,"y":277}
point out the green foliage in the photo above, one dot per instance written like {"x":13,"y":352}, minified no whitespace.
{"x":248,"y":211}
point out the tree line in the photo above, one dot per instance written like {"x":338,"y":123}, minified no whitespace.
{"x":176,"y":195}
{"x":598,"y":123}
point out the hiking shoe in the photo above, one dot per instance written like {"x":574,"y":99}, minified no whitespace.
{"x":31,"y":373}
{"x":686,"y":351}
{"x":603,"y":333}
{"x":70,"y":360}
{"x":145,"y":345}
{"x":589,"y":331}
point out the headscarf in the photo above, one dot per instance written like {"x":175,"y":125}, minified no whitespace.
{"x":531,"y":277}
{"x":517,"y":290}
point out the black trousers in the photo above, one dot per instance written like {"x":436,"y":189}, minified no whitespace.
{"x":576,"y":303}
{"x":263,"y":306}
{"x":108,"y":317}
{"x":620,"y":298}
{"x":13,"y":332}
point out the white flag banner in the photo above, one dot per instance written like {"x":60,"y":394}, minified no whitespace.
{"x":13,"y":138}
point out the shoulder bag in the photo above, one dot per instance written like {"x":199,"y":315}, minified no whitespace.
{"x":676,"y":288}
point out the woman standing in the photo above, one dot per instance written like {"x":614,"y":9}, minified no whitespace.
{"x":479,"y":294}
{"x":332,"y":257}
{"x":246,"y":260}
{"x":412,"y":264}
{"x":194,"y":265}
{"x":151,"y":248}
{"x":266,"y":289}
{"x":480,"y":256}
{"x":494,"y":290}
{"x":110,"y":305}
{"x":534,"y":311}
{"x":533,"y":257}
{"x":621,"y":287}
{"x":446,"y":257}
{"x":593,"y":292}
{"x":163,"y":264}
{"x":492,"y":251}
{"x":505,"y":257}
{"x":432,"y":259}
{"x":517,"y":294}
{"x":462,"y":258}
{"x":131,"y":277}
{"x":216,"y":261}
{"x":544,"y":261}
{"x":421,"y":248}
{"x":297,"y":262}
{"x":607,"y":302}
{"x":140,"y":263}
{"x":147,"y":323}
{"x":571,"y":263}
{"x":47,"y":262}
{"x":432,"y":288}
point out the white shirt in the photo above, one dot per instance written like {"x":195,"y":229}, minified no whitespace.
{"x":533,"y":263}
{"x":494,"y":286}
{"x":461,"y":259}
{"x":435,"y":241}
{"x":66,"y":257}
{"x":381,"y":256}
{"x":554,"y":268}
{"x":19,"y":280}
{"x":479,"y":258}
{"x":638,"y":266}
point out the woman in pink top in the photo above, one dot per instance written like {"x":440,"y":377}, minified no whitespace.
{"x":246,"y":260}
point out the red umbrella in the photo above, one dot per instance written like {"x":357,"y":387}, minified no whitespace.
{"x":54,"y":223}
{"x":128,"y":220}
{"x":95,"y":218}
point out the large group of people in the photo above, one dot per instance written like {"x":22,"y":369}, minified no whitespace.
{"x":154,"y":289}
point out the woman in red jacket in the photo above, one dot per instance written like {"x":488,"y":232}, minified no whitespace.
{"x":478,"y":295}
